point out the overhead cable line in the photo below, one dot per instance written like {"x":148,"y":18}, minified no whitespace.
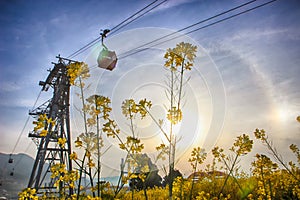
{"x":21,"y":156}
{"x":128,"y":18}
{"x":119,"y":26}
{"x":139,"y":16}
{"x":23,"y":129}
{"x":197,"y":29}
{"x":195,"y":24}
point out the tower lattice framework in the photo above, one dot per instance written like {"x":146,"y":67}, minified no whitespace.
{"x":49,"y":151}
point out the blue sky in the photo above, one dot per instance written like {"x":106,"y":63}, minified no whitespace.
{"x":246,"y":75}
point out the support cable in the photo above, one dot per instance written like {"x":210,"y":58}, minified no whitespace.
{"x":138,"y":50}
{"x":27,"y":120}
{"x":128,"y":18}
{"x":117,"y":27}
{"x":139,"y":16}
{"x":195,"y":24}
{"x":192,"y":31}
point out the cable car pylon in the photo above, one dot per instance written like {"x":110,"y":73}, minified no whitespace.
{"x":49,"y":151}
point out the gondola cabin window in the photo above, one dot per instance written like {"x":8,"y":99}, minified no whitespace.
{"x":107,"y":59}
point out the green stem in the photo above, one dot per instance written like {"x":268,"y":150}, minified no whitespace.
{"x":263,"y":178}
{"x":119,"y":187}
{"x":80,"y":176}
{"x":155,"y":121}
{"x":85,"y":126}
{"x":98,"y":151}
{"x":132,"y":194}
{"x":145,"y":190}
{"x":171,"y":164}
{"x":91,"y":180}
{"x":83,"y":105}
{"x":235,"y":179}
{"x":270,"y":186}
{"x":131,"y":122}
{"x":181,"y":82}
{"x":275,"y":154}
{"x":193,"y":180}
{"x":227,"y":177}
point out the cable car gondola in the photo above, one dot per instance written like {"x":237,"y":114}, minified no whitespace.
{"x":12,"y":172}
{"x":106,"y":59}
{"x":10,"y":160}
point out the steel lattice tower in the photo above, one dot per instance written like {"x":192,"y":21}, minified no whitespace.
{"x":49,"y":151}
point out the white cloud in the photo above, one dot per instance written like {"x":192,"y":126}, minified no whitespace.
{"x":170,"y":4}
{"x":9,"y":86}
{"x":255,"y":34}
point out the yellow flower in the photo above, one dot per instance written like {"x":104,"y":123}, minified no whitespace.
{"x":78,"y":143}
{"x":42,"y":123}
{"x":182,"y":55}
{"x":43,"y":133}
{"x":28,"y":193}
{"x":77,"y":69}
{"x":242,"y":145}
{"x":91,"y":164}
{"x":71,"y":185}
{"x":174,"y":115}
{"x":74,"y":196}
{"x":88,"y":154}
{"x":62,"y":142}
{"x":73,"y":156}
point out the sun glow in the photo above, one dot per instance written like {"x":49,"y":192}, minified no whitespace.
{"x":282,"y":114}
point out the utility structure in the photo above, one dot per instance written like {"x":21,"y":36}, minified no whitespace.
{"x":49,"y":151}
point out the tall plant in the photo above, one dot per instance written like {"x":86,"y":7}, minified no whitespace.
{"x":178,"y":60}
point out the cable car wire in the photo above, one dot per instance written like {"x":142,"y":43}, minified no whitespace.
{"x":133,"y":15}
{"x":137,"y":49}
{"x":27,"y":120}
{"x":90,"y":44}
{"x":21,"y":157}
{"x":195,"y":24}
{"x":138,"y":16}
{"x":192,"y":31}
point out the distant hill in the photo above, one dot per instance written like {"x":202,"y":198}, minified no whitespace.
{"x":14,"y":176}
{"x":12,"y":184}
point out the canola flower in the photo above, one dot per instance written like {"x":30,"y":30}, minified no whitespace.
{"x":242,"y":145}
{"x":91,"y":164}
{"x":267,"y":181}
{"x":78,"y":142}
{"x":132,"y":145}
{"x":174,"y":115}
{"x":28,"y":193}
{"x":182,"y":55}
{"x":77,"y":70}
{"x":97,"y":106}
{"x":60,"y":174}
{"x":62,"y":142}
{"x":163,"y":151}
{"x":131,"y":108}
{"x":42,"y":124}
{"x":73,"y":156}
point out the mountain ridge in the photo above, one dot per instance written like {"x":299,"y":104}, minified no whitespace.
{"x":14,"y":176}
